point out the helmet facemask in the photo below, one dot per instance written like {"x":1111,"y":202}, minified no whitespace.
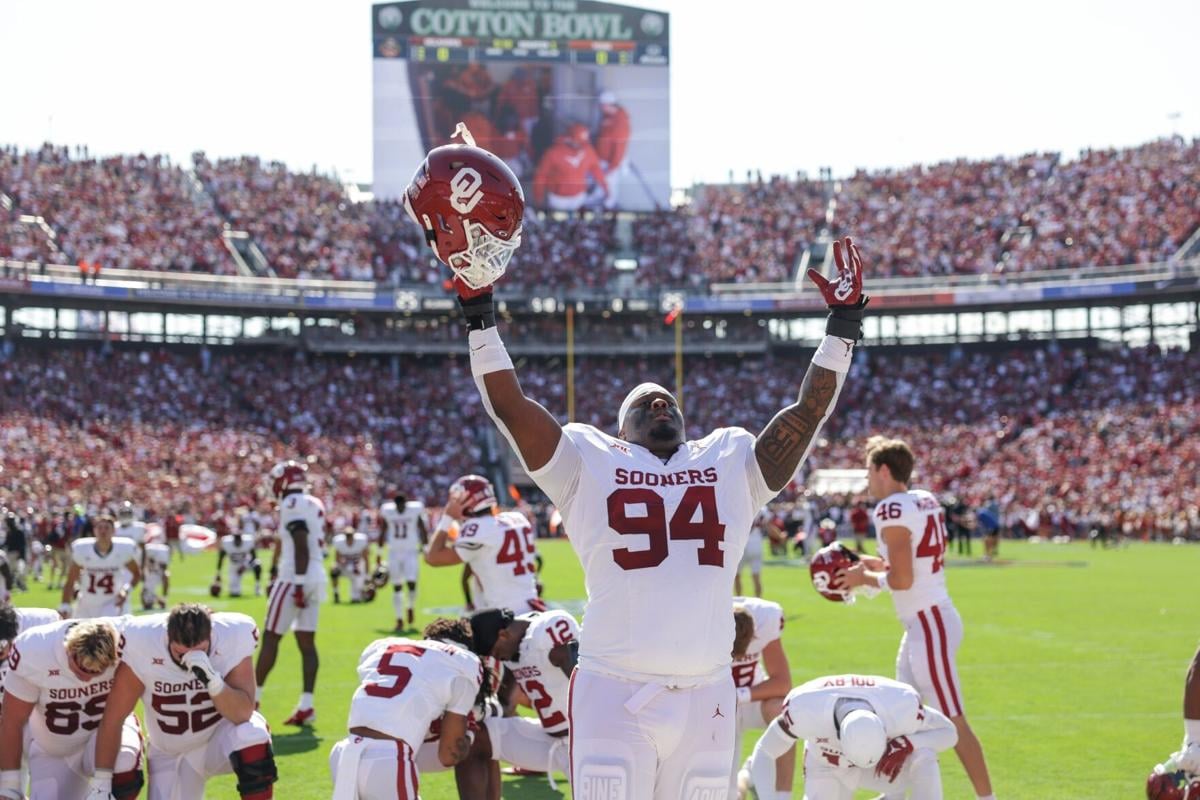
{"x":486,"y":257}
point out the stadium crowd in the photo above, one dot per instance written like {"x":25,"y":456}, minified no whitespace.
{"x":1085,"y":435}
{"x":998,"y":216}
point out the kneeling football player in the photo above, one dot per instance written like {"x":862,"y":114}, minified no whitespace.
{"x":193,"y":670}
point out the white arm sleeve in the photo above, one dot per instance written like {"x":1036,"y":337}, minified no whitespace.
{"x":773,"y":743}
{"x":937,"y":732}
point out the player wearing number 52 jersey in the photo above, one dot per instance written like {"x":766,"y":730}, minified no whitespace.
{"x":498,"y":546}
{"x":59,"y":681}
{"x":406,"y":685}
{"x":192,"y":670}
{"x":911,"y":532}
{"x":98,"y":569}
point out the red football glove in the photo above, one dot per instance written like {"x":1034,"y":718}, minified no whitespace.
{"x":298,"y":597}
{"x":898,"y":751}
{"x":847,"y":290}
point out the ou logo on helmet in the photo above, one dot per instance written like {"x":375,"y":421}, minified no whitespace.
{"x":466,"y":190}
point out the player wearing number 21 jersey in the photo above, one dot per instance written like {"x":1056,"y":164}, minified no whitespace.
{"x":911,"y":532}
{"x":406,"y":685}
{"x":192,"y":670}
{"x":59,"y":680}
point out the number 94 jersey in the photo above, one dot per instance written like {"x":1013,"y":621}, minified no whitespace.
{"x":407,"y":684}
{"x":180,"y":714}
{"x":503,"y":558}
{"x":921,"y":513}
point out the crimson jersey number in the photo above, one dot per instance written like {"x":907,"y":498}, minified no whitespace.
{"x":933,"y":542}
{"x":518,"y":550}
{"x":401,"y":673}
{"x":541,"y":701}
{"x":64,"y":718}
{"x":707,"y":529}
{"x":560,"y":632}
{"x":196,"y":714}
{"x":105,"y":583}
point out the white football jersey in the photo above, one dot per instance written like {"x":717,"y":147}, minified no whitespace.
{"x":100,"y":576}
{"x":503,"y":559}
{"x":240,"y":553}
{"x":301,"y":506}
{"x":349,"y":550}
{"x":768,"y":626}
{"x":250,"y":523}
{"x":407,"y":684}
{"x":403,"y":532}
{"x":546,"y":685}
{"x":921,"y":513}
{"x":28,"y":618}
{"x":180,"y":714}
{"x":659,"y":544}
{"x":808,"y":710}
{"x":158,"y":558}
{"x":39,"y":672}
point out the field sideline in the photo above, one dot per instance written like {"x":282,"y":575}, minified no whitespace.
{"x":1072,"y":666}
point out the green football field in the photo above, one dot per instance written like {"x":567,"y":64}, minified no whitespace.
{"x":1072,"y":665}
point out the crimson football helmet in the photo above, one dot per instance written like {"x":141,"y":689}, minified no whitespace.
{"x":1174,"y":785}
{"x":288,"y":476}
{"x":477,"y":492}
{"x":825,"y":565}
{"x":469,"y":204}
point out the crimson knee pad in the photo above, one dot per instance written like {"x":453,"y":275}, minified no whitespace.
{"x":127,"y":785}
{"x":255,"y":770}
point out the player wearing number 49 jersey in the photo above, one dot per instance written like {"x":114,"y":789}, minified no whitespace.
{"x":192,"y":670}
{"x":59,"y":681}
{"x":98,"y":569}
{"x":911,"y":532}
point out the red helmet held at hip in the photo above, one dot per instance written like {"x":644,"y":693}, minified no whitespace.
{"x":1173,"y":785}
{"x":470,"y":205}
{"x":476,"y":491}
{"x":825,"y":565}
{"x":288,"y":476}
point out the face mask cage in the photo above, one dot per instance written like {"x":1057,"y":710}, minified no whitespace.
{"x":485,"y":258}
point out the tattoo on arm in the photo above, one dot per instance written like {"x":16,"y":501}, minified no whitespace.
{"x":460,"y":748}
{"x":786,"y":438}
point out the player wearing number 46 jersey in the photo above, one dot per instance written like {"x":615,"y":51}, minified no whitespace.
{"x":59,"y":681}
{"x":659,"y":522}
{"x":498,"y":546}
{"x":192,"y":670}
{"x":96,"y":580}
{"x":911,"y":532}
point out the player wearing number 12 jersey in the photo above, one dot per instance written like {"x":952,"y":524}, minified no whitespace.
{"x":911,"y":532}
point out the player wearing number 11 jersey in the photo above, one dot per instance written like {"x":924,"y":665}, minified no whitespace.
{"x":911,"y":531}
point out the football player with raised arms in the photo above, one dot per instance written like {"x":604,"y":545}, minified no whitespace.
{"x":96,"y":581}
{"x":540,"y":649}
{"x":403,"y":530}
{"x":59,"y":680}
{"x":910,"y":529}
{"x":762,"y":677}
{"x":659,"y":522}
{"x":860,"y":732}
{"x":497,"y":546}
{"x":193,"y":672}
{"x":295,"y":598}
{"x":407,"y":685}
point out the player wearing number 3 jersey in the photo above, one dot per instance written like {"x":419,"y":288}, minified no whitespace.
{"x":911,"y":532}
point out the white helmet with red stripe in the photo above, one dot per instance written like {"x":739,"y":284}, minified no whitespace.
{"x":476,"y":492}
{"x":288,"y":476}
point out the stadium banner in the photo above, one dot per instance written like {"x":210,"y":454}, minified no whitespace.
{"x":574,"y":95}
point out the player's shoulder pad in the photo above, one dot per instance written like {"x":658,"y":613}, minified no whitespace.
{"x":590,"y":437}
{"x":233,"y":621}
{"x":81,"y":546}
{"x":414,"y":505}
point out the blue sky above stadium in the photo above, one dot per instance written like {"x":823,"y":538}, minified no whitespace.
{"x":779,"y":86}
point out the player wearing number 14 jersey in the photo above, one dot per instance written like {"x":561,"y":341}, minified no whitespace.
{"x":911,"y":531}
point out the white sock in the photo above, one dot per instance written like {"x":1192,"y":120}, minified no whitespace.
{"x":258,"y":694}
{"x":398,"y":603}
{"x":412,"y":600}
{"x":306,"y":701}
{"x":986,"y":797}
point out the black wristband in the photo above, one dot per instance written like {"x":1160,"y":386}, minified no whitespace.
{"x":845,"y":322}
{"x":479,"y":312}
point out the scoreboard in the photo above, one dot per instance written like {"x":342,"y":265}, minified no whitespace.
{"x":522,"y":72}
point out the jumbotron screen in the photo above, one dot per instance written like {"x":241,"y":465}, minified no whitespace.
{"x":572,"y":94}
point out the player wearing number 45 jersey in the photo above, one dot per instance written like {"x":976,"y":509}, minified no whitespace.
{"x":498,"y":546}
{"x":59,"y":681}
{"x":911,"y":532}
{"x":659,"y":522}
{"x":192,"y":670}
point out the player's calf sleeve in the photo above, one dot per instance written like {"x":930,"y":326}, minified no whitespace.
{"x":412,"y":599}
{"x":398,"y":602}
{"x":127,"y":785}
{"x":773,"y":743}
{"x":255,"y":770}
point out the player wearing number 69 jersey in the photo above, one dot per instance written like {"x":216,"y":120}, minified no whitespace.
{"x":59,"y":682}
{"x":911,"y":532}
{"x":498,"y":546}
{"x":192,"y":670}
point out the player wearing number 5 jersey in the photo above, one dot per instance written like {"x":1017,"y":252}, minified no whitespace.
{"x":911,"y":532}
{"x":192,"y":670}
{"x":96,"y":580}
{"x":59,"y":681}
{"x":498,"y":546}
